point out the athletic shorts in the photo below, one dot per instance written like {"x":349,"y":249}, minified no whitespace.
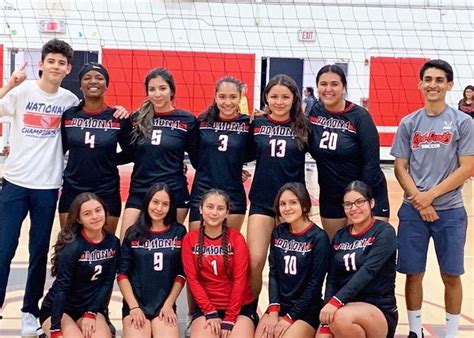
{"x":392,"y":322}
{"x":45,"y":313}
{"x":150,"y":317}
{"x":112,"y":201}
{"x":195,"y":215}
{"x":261,"y":210}
{"x":310,"y":317}
{"x":449,"y":237}
{"x":135,"y":199}
{"x":330,"y":205}
{"x":248,"y":310}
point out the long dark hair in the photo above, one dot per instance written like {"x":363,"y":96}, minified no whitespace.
{"x":225,"y":231}
{"x":299,"y":123}
{"x":212,"y":112}
{"x":144,"y":120}
{"x":332,"y":69}
{"x":301,"y":194}
{"x":141,"y":227}
{"x":464,"y":92}
{"x":72,"y":227}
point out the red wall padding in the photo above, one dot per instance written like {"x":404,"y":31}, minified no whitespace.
{"x":195,"y":75}
{"x":393,"y":91}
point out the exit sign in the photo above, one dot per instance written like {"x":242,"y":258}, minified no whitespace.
{"x":52,"y":26}
{"x":307,"y":35}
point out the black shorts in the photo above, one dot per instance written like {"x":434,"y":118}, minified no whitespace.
{"x":310,"y":317}
{"x":45,"y":313}
{"x":330,"y":205}
{"x":112,"y":200}
{"x":248,"y":310}
{"x":392,"y":321}
{"x":135,"y":199}
{"x":261,"y":210}
{"x":150,"y":317}
{"x":195,"y":215}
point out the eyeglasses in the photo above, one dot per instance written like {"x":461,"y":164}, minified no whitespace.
{"x":358,"y":203}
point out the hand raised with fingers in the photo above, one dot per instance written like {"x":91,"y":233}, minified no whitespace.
{"x":18,"y":76}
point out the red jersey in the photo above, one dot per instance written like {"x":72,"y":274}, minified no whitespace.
{"x":210,"y":286}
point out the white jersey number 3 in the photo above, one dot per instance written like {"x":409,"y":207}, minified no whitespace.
{"x":224,"y":140}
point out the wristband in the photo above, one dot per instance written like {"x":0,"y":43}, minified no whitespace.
{"x":227,"y":326}
{"x":324,"y":329}
{"x":133,"y":308}
{"x":212,"y":315}
{"x":273,"y":308}
{"x":288,"y":318}
{"x":336,"y":302}
{"x":55,"y":333}
{"x":89,"y":314}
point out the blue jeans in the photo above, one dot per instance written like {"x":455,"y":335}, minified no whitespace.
{"x":15,"y":203}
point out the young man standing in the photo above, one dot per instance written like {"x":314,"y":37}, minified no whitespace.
{"x":33,"y":170}
{"x":433,"y":152}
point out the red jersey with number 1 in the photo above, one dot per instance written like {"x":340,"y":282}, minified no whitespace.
{"x":210,"y":286}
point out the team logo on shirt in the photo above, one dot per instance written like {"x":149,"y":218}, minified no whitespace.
{"x":92,"y":123}
{"x":239,"y":127}
{"x":292,"y":245}
{"x":157,"y":243}
{"x":357,"y":244}
{"x":274,"y":131}
{"x":333,"y":123}
{"x":212,"y":250}
{"x":448,"y":125}
{"x":97,"y":255}
{"x":431,"y":139}
{"x":172,"y":124}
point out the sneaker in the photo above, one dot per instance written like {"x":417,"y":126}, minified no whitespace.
{"x":412,"y":334}
{"x":29,"y":324}
{"x":40,"y":333}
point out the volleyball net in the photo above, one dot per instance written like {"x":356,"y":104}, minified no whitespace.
{"x":380,"y":44}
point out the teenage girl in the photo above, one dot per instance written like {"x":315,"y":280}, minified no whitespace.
{"x":84,"y":263}
{"x":360,"y":288}
{"x":279,"y":145}
{"x":298,"y":260}
{"x":150,"y":272}
{"x":161,"y":135}
{"x":223,"y":143}
{"x":345,"y":145}
{"x":215,"y":259}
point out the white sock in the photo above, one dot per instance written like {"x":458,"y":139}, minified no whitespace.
{"x":452,"y":324}
{"x":414,"y":321}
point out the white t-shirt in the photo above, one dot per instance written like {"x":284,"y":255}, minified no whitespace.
{"x":36,"y":154}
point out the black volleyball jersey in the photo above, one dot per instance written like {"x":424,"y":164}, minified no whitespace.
{"x":152,"y":266}
{"x":298,"y":264}
{"x":222,"y":153}
{"x":279,"y":160}
{"x":362,"y":267}
{"x":91,"y":139}
{"x":160,"y":158}
{"x":346,"y":147}
{"x":85,"y":277}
